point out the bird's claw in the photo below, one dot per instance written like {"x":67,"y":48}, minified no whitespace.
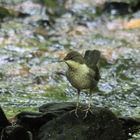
{"x":75,"y":111}
{"x":87,"y":110}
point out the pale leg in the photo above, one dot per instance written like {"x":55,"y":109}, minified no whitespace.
{"x":89,"y":104}
{"x":77,"y":103}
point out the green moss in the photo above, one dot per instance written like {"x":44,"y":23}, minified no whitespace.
{"x":11,"y":112}
{"x":57,"y":92}
{"x":50,"y":3}
{"x":12,"y":105}
{"x":12,"y":25}
{"x":44,"y":46}
{"x":67,"y":45}
{"x":4,"y":12}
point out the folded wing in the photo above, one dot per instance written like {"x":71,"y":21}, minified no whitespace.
{"x":91,"y":59}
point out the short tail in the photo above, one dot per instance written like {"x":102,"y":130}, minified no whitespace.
{"x":91,"y":57}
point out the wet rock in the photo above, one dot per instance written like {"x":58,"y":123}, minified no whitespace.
{"x":130,"y":125}
{"x":117,"y":8}
{"x":56,"y":7}
{"x":48,"y":112}
{"x":101,"y":124}
{"x":4,"y":12}
{"x":16,"y":132}
{"x":33,"y":121}
{"x":57,"y":121}
{"x":136,"y":6}
{"x":11,"y":2}
{"x":3,"y":120}
{"x":12,"y":132}
{"x":7,"y":13}
{"x":30,"y":8}
{"x":59,"y":108}
{"x":44,"y":23}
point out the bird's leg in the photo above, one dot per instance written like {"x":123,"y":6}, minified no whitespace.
{"x":90,"y":99}
{"x":77,"y":104}
{"x":89,"y":104}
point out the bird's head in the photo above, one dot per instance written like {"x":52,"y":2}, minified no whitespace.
{"x":73,"y":59}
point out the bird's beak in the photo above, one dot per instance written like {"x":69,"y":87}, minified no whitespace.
{"x":57,"y":61}
{"x":60,"y":61}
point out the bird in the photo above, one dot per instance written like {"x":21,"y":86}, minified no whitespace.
{"x":83,"y":72}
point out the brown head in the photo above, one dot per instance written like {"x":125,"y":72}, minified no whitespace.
{"x":74,"y":56}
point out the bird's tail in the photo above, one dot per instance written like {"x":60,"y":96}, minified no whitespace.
{"x":91,"y":57}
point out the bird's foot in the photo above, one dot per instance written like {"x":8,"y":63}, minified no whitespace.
{"x":75,"y":111}
{"x":87,"y":110}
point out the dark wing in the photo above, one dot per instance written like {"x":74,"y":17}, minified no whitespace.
{"x":92,"y":77}
{"x":91,"y":58}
